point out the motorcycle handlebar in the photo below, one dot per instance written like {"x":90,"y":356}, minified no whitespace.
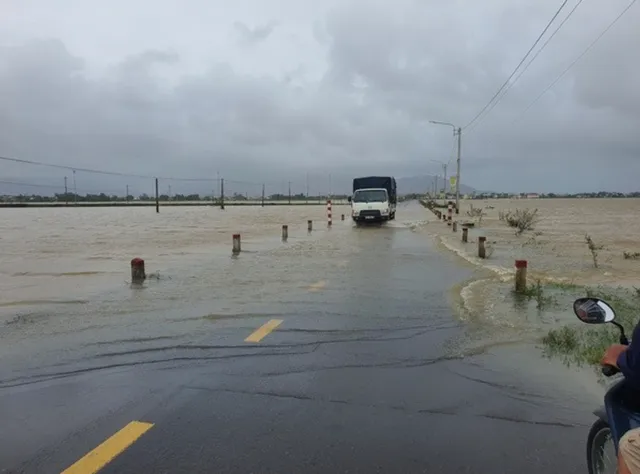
{"x":609,"y":370}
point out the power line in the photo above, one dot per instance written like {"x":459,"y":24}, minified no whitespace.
{"x":96,"y":171}
{"x":133,"y":175}
{"x":518,"y":66}
{"x":575,"y":61}
{"x":33,"y":185}
{"x":72,"y":168}
{"x":532,"y":59}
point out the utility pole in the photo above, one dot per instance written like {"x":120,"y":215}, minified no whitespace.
{"x":289,"y":192}
{"x":75,"y":189}
{"x":157,"y":198}
{"x":444,"y":169}
{"x":458,"y":171}
{"x":307,"y":186}
{"x":66,"y":192}
{"x":457,"y":131}
{"x":222,"y":193}
{"x":126,"y":196}
{"x":263,"y":195}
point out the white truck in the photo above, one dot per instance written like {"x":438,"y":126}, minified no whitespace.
{"x":374,"y":199}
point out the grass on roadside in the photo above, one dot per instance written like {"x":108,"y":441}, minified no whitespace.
{"x":584,"y":344}
{"x":537,"y":292}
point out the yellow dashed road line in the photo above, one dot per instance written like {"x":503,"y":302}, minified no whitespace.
{"x":102,"y":455}
{"x":317,"y":286}
{"x":263,"y":330}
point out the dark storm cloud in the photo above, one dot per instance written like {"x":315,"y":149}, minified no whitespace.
{"x":387,"y":72}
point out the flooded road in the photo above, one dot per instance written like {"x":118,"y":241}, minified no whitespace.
{"x":333,"y":352}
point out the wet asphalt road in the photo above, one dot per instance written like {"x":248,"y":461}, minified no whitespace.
{"x":362,"y":375}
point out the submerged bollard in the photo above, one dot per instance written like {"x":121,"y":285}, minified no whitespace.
{"x":236,"y":244}
{"x":465,"y":234}
{"x":449,"y":219}
{"x":137,"y":271}
{"x":482,"y":251}
{"x":521,"y":276}
{"x":455,"y":227}
{"x":309,"y":226}
{"x":342,"y":217}
{"x":285,"y":233}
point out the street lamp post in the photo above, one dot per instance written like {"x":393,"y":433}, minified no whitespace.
{"x":444,"y":170}
{"x":457,"y":131}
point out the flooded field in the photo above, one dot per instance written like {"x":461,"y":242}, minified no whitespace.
{"x":557,"y":254}
{"x":556,"y":248}
{"x":64,"y":275}
{"x":57,"y":255}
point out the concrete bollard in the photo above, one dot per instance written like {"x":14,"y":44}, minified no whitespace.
{"x":521,"y":276}
{"x":236,"y":244}
{"x":309,"y":226}
{"x":137,"y":271}
{"x":285,"y":233}
{"x":465,"y":234}
{"x":455,"y":227}
{"x":482,"y":251}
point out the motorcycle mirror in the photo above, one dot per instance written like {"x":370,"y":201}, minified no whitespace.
{"x":593,"y":311}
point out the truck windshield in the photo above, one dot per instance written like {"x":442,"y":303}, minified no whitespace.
{"x":370,"y":195}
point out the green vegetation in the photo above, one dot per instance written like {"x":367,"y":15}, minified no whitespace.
{"x":593,"y":248}
{"x":520,"y":219}
{"x":537,"y":292}
{"x":581,"y":343}
{"x":476,"y":212}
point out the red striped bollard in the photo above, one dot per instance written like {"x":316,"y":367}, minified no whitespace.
{"x":329,"y":221}
{"x":521,"y":276}
{"x":449,"y":212}
{"x":237,"y":247}
{"x":138,"y":274}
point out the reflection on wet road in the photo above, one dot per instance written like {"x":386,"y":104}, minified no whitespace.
{"x":333,"y":354}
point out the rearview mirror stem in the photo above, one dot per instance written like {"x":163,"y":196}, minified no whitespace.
{"x":623,"y":337}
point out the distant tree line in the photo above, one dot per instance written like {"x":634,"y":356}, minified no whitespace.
{"x":102,"y":197}
{"x":600,"y":194}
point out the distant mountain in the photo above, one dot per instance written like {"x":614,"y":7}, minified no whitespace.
{"x":425,"y":184}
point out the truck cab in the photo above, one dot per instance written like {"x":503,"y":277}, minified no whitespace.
{"x":374,"y":199}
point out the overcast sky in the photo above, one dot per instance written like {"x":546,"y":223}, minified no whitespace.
{"x":270,"y":90}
